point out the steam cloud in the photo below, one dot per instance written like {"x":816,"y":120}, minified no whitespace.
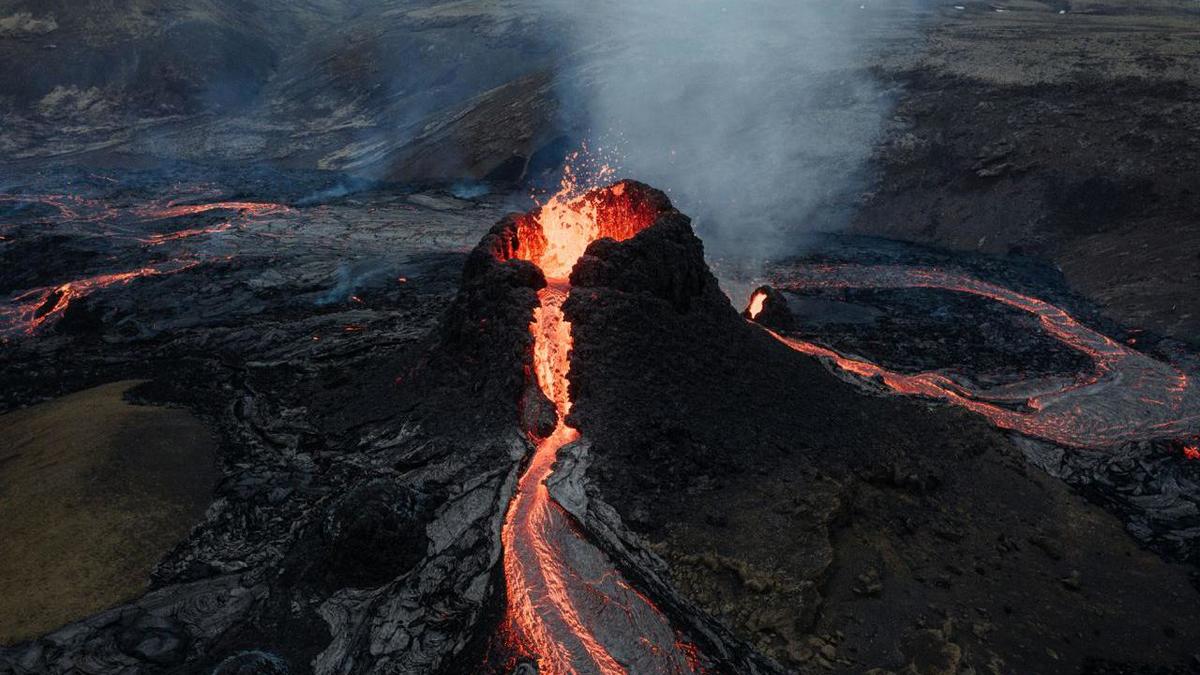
{"x":757,"y":116}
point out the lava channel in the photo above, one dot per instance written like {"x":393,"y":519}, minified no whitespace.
{"x":247,"y":209}
{"x":32,"y":310}
{"x":1128,"y":396}
{"x":568,"y":606}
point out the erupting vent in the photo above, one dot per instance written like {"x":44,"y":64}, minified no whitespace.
{"x":568,"y":607}
{"x":555,"y":236}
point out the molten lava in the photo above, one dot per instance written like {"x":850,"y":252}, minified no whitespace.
{"x":29,"y":311}
{"x":756,"y":304}
{"x":69,"y":207}
{"x":568,"y":606}
{"x":157,"y":239}
{"x":249,"y":209}
{"x":1129,"y":396}
{"x":557,"y":235}
{"x":32,"y":310}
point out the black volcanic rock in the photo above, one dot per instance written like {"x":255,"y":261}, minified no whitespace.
{"x":376,"y":533}
{"x":665,"y":260}
{"x":156,"y":639}
{"x":366,"y":471}
{"x":252,"y":663}
{"x":366,"y":474}
{"x":483,"y":341}
{"x":771,"y":487}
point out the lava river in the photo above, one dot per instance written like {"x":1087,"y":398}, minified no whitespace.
{"x":568,"y":606}
{"x":1127,"y":396}
{"x":29,"y":311}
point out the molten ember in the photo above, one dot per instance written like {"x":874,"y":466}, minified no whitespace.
{"x":568,"y":607}
{"x":1128,"y":396}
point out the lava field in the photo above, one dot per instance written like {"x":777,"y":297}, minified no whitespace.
{"x":662,"y":337}
{"x":504,"y":456}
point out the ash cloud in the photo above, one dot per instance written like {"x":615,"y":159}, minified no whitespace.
{"x":756,"y":117}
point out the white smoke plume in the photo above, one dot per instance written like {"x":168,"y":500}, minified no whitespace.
{"x":757,"y":116}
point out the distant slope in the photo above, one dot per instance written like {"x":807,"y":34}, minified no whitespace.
{"x":336,"y":84}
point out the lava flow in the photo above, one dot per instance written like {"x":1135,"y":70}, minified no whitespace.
{"x":69,"y":207}
{"x":250,"y":209}
{"x":1128,"y":396}
{"x":33,"y":309}
{"x":568,"y":607}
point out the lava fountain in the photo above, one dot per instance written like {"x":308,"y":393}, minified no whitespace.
{"x":568,"y":606}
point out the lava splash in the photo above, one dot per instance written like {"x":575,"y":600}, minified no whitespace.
{"x":568,"y":607}
{"x":1127,"y":396}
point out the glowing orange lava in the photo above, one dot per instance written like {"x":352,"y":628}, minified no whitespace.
{"x":1129,"y":396}
{"x":31,"y":310}
{"x":567,"y":604}
{"x":756,"y":304}
{"x":557,"y":235}
{"x":253,"y":209}
{"x":156,"y":239}
{"x":69,"y":207}
{"x":74,"y":210}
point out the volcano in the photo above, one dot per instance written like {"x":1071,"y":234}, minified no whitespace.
{"x":331,"y":341}
{"x":568,"y":452}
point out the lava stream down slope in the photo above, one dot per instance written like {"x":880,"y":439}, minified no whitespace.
{"x":568,"y":607}
{"x":1128,"y":396}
